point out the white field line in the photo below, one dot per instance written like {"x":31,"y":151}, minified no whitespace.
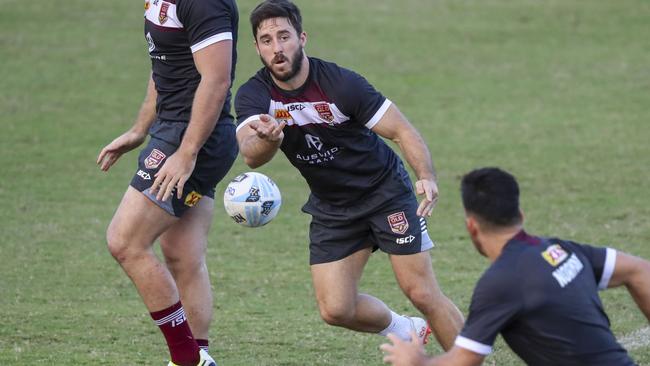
{"x":637,"y":339}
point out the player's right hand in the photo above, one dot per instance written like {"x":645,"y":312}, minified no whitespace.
{"x":122,"y":144}
{"x":268,"y":128}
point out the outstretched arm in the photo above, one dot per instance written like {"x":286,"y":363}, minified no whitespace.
{"x":260,"y":139}
{"x":634,"y":273}
{"x":394,"y":126}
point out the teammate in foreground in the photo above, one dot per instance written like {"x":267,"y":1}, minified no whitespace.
{"x":541,"y":294}
{"x":327,"y":120}
{"x":192,"y":146}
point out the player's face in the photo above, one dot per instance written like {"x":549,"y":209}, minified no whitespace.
{"x":280,"y":48}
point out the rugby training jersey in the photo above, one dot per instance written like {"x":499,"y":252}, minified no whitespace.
{"x":328,"y":134}
{"x":541,"y":294}
{"x":174,"y":30}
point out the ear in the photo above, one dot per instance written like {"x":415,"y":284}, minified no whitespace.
{"x":303,"y":39}
{"x":472,"y":225}
{"x":257,"y":48}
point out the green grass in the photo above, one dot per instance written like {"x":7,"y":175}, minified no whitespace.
{"x":555,"y":91}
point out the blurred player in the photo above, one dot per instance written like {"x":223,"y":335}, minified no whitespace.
{"x":540,"y":293}
{"x":327,"y":120}
{"x":192,"y":146}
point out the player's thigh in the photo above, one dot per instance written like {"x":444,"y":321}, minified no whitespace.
{"x":336,"y":283}
{"x":137,"y":222}
{"x":415,"y":275}
{"x":186,"y":240}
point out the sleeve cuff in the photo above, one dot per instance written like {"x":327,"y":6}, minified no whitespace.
{"x":380,"y":113}
{"x":247,"y":120}
{"x":211,"y":40}
{"x":608,"y":269}
{"x":473,"y":346}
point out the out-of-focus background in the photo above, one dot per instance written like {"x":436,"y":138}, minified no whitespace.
{"x":557,"y":92}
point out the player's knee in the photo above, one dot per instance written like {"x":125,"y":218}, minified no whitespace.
{"x":336,"y":315}
{"x":424,"y":298}
{"x":118,"y":245}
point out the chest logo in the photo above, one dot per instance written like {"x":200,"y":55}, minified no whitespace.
{"x":162,"y":16}
{"x":555,"y":255}
{"x":324,"y":111}
{"x":282,"y":114}
{"x":314,"y":142}
{"x":398,"y":222}
{"x":152,"y":46}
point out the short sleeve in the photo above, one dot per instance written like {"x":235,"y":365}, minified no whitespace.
{"x":602,"y":260}
{"x":206,"y":21}
{"x":252,"y":99}
{"x":360,"y":100}
{"x":495,"y":303}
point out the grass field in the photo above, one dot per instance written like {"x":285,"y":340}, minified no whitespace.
{"x":556,"y":91}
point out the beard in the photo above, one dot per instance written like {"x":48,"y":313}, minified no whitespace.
{"x":296,"y":65}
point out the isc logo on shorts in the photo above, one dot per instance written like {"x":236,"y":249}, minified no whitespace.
{"x":405,"y":240}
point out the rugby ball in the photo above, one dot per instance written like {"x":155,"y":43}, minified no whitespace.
{"x":252,"y":199}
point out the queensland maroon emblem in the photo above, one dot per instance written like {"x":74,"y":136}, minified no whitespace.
{"x":398,"y":222}
{"x":162,"y":16}
{"x":154,"y":159}
{"x":324,"y":111}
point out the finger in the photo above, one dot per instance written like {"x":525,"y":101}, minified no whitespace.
{"x":278,"y":129}
{"x":101,"y":155}
{"x":415,"y":339}
{"x":419,"y":189}
{"x":386,"y":347}
{"x":179,"y":187}
{"x":394,"y":338}
{"x":165,"y":188}
{"x":389,"y":358}
{"x":265,"y":118}
{"x":428,"y":190}
{"x":160,"y":178}
{"x":424,"y":209}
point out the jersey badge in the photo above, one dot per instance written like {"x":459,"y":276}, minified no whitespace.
{"x":398,"y":222}
{"x":555,"y":255}
{"x":162,"y":16}
{"x":154,"y":159}
{"x":192,"y":199}
{"x":282,"y":114}
{"x":324,"y":111}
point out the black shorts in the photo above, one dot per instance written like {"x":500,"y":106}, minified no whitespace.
{"x":212,"y":163}
{"x":395,"y":229}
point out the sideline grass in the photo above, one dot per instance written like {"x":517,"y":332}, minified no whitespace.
{"x":555,"y":91}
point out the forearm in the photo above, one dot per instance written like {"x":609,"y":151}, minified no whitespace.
{"x":147,"y":114}
{"x":417,"y":154}
{"x":639,"y":288}
{"x":257,"y":151}
{"x":208,"y":102}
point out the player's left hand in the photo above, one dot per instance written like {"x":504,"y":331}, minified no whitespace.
{"x":429,"y":189}
{"x":173,"y":175}
{"x":402,"y":353}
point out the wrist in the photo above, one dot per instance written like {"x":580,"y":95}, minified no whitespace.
{"x":188,"y":150}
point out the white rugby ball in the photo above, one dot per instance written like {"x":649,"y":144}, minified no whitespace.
{"x":252,"y":199}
